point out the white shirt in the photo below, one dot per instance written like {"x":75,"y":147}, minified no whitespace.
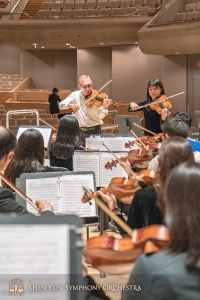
{"x":86,"y":116}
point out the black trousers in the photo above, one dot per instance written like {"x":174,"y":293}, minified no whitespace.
{"x":86,"y":134}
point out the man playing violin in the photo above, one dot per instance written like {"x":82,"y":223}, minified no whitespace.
{"x":89,"y":117}
{"x":152,"y":118}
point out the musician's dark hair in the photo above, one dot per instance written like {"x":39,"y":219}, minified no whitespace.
{"x":28,"y":156}
{"x":173,"y":152}
{"x":184,"y":117}
{"x":175,"y":127}
{"x":182,"y":203}
{"x":154,"y":82}
{"x":67,"y":137}
{"x":55,"y":90}
{"x":8,"y":141}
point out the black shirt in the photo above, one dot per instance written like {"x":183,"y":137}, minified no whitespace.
{"x":152,"y":118}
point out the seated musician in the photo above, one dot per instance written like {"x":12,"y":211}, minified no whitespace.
{"x":89,"y":117}
{"x":174,"y":272}
{"x":7,"y":203}
{"x":146,"y":207}
{"x":177,"y":126}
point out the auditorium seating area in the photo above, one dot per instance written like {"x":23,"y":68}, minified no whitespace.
{"x":191,"y":12}
{"x":97,"y":8}
{"x":9,"y":81}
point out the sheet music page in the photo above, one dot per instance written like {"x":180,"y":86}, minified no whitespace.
{"x":44,"y":130}
{"x":107,"y":174}
{"x":71,"y":192}
{"x":32,"y":250}
{"x":115,"y":143}
{"x":87,"y":161}
{"x":44,"y":189}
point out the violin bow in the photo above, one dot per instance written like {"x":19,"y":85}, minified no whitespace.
{"x":113,"y":216}
{"x":19,"y":192}
{"x":47,"y":124}
{"x":138,"y":139}
{"x":143,"y":128}
{"x":159,"y":100}
{"x":96,"y":92}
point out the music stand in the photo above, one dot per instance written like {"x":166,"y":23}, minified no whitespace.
{"x":124,"y":120}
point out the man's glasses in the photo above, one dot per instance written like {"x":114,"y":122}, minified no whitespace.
{"x":86,"y":86}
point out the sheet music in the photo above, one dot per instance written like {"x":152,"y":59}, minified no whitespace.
{"x":44,"y":130}
{"x":87,"y":161}
{"x":64,"y":193}
{"x":46,"y":189}
{"x":71,"y":192}
{"x":30,"y":249}
{"x":115,"y":143}
{"x":99,"y":159}
{"x":107,"y":174}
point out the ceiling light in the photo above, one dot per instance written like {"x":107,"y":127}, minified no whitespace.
{"x":100,"y":43}
{"x":42,"y":47}
{"x":67,"y":44}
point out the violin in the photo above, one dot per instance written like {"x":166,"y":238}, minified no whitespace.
{"x":97,"y":99}
{"x":116,"y":256}
{"x":162,"y":102}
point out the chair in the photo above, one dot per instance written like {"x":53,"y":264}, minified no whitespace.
{"x":68,"y":5}
{"x":11,"y":122}
{"x":130,"y":10}
{"x":179,"y":17}
{"x":114,"y":3}
{"x":138,"y":2}
{"x":17,"y":116}
{"x":105,"y":12}
{"x":102,"y":3}
{"x":144,"y":11}
{"x":47,"y":5}
{"x":45,"y":116}
{"x":91,"y":4}
{"x":23,"y":121}
{"x":55,"y":13}
{"x":58,"y":4}
{"x":79,"y":4}
{"x":191,"y":16}
{"x":66,"y":13}
{"x":118,"y":11}
{"x":126,"y":121}
{"x":126,"y":3}
{"x":52,"y":121}
{"x":151,"y":3}
{"x":80,"y":12}
{"x":2,"y":107}
{"x":198,"y":6}
{"x":190,"y":7}
{"x":92,"y":12}
{"x":41,"y":111}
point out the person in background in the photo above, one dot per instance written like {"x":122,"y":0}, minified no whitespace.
{"x":89,"y":117}
{"x":28,"y":157}
{"x":54,"y":101}
{"x":8,"y":144}
{"x":152,"y":118}
{"x":67,"y":140}
{"x":174,"y":272}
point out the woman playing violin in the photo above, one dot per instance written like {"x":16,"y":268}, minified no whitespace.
{"x":89,"y":117}
{"x":152,"y":118}
{"x":174,"y":273}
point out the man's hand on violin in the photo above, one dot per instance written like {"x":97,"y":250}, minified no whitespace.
{"x":74,"y":107}
{"x":106,"y":103}
{"x":127,"y":167}
{"x":133,"y":106}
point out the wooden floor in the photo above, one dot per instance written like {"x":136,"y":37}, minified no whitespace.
{"x":109,"y":280}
